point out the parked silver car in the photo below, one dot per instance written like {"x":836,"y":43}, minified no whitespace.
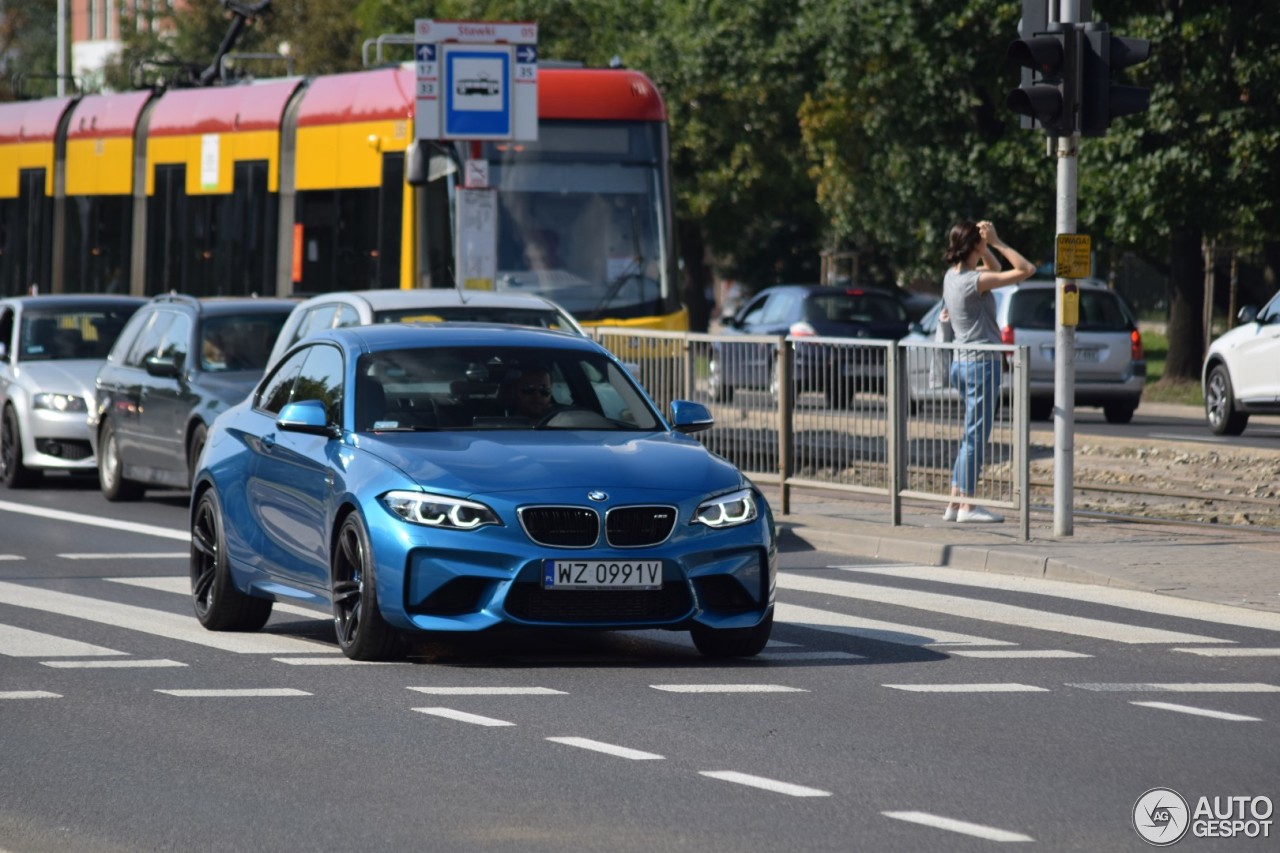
{"x":50,"y":350}
{"x":1242,"y":370}
{"x":1110,"y":365}
{"x":429,"y":305}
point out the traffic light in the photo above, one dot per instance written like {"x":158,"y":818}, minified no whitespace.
{"x":1050,"y":80}
{"x":1101,"y":100}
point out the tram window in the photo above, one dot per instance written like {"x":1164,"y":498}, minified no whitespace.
{"x":27,"y":239}
{"x":98,"y":243}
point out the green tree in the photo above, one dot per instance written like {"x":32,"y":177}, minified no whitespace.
{"x":28,"y":47}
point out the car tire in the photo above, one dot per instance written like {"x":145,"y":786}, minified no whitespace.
{"x":195,"y":444}
{"x":732,"y":642}
{"x":362,"y":632}
{"x":13,"y":473}
{"x":1119,"y":413}
{"x":111,"y":479}
{"x":1219,"y":404}
{"x":218,"y":604}
{"x":1041,"y":408}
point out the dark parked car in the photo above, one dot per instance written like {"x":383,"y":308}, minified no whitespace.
{"x":50,"y":350}
{"x":804,"y":310}
{"x":179,"y":362}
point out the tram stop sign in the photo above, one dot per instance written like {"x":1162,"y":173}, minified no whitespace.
{"x":1073,"y":259}
{"x":476,"y":80}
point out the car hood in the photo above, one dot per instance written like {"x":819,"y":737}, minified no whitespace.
{"x":470,"y":463}
{"x":72,"y":376}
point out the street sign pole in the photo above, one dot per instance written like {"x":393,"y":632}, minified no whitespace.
{"x":1064,"y":355}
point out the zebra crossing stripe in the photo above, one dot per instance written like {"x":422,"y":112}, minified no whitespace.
{"x":1199,"y":712}
{"x":156,"y":622}
{"x":111,"y":664}
{"x":607,"y":748}
{"x":977,"y":830}
{"x":111,"y":523}
{"x":22,"y":643}
{"x":1006,"y":687}
{"x":250,"y":692}
{"x":181,"y":585}
{"x":1185,"y":687}
{"x":990,"y":611}
{"x":874,"y":629}
{"x":765,"y":784}
{"x":463,"y":717}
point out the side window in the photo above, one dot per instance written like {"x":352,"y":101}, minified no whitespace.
{"x":754,"y":313}
{"x":1270,"y":312}
{"x":321,"y":379}
{"x":148,"y":341}
{"x":347,"y":316}
{"x":6,"y":334}
{"x":779,"y":308}
{"x":275,"y":391}
{"x":177,"y":340}
{"x":317,"y":319}
{"x":128,"y":335}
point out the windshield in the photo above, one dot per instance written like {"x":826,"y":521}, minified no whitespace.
{"x":580,"y":217}
{"x":239,"y":341}
{"x":497,"y":388}
{"x":543,"y":318}
{"x":86,"y":331}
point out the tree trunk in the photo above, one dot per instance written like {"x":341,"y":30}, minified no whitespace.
{"x":1186,"y":305}
{"x":697,"y":275}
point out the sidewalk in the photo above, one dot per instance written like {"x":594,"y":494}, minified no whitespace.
{"x":1225,"y":565}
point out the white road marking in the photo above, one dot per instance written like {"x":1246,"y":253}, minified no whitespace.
{"x":463,"y":717}
{"x":607,"y":748}
{"x":727,"y":688}
{"x":111,"y":664}
{"x":250,"y":692}
{"x":1199,"y":712}
{"x":1016,"y":653}
{"x":489,"y":691}
{"x":997,"y":687}
{"x":29,"y":694}
{"x":1189,"y":687}
{"x":156,"y":622}
{"x":22,"y":643}
{"x":181,"y":584}
{"x":989,"y":833}
{"x":1232,"y":653}
{"x":788,"y":788}
{"x":11,"y":557}
{"x":990,"y":611}
{"x":873,"y":629}
{"x":1128,"y":599}
{"x":112,"y":523}
{"x":176,"y":555}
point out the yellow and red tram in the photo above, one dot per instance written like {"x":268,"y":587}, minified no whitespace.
{"x":309,"y":185}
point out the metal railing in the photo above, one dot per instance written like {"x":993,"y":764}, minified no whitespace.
{"x":874,"y":417}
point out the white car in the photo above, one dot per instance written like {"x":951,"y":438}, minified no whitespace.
{"x":1241,"y":374}
{"x":50,"y":350}
{"x":426,"y":305}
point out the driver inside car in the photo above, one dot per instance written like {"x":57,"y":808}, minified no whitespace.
{"x":529,"y":394}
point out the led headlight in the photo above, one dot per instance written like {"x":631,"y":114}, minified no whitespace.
{"x":727,"y":510}
{"x":59,"y":403}
{"x":439,"y":511}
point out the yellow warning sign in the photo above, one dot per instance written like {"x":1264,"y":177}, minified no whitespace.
{"x":1073,"y":256}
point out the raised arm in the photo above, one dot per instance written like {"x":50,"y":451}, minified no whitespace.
{"x":991,"y":275}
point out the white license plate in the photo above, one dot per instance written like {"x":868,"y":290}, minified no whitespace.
{"x":602,"y":574}
{"x":1089,"y":355}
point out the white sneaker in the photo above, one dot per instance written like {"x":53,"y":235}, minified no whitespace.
{"x":978,"y":515}
{"x":949,"y":514}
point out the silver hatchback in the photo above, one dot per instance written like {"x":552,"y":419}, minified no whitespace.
{"x":1111,"y":368}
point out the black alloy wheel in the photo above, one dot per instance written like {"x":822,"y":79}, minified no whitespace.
{"x":218,"y":604}
{"x":1220,"y":402}
{"x":111,"y":478}
{"x":362,"y":632}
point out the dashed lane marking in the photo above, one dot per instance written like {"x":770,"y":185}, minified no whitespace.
{"x":607,"y":748}
{"x":1199,"y":712}
{"x":29,"y":694}
{"x":111,"y":664}
{"x":246,"y":692}
{"x":788,"y":788}
{"x":1184,"y":687}
{"x":1233,"y":653}
{"x":990,"y":611}
{"x":874,"y":629}
{"x":964,"y":827}
{"x":463,"y":717}
{"x":489,"y":691}
{"x":176,"y":555}
{"x":999,"y":687}
{"x":1017,"y":653}
{"x":727,"y":688}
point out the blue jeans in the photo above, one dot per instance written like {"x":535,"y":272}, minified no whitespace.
{"x":978,"y":380}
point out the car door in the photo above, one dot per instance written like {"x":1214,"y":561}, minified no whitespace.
{"x":294,"y":476}
{"x":166,"y":401}
{"x":120,"y":392}
{"x":1255,"y":374}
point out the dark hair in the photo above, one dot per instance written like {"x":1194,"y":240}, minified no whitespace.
{"x":961,"y":242}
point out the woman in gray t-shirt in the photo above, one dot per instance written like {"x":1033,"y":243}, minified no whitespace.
{"x":973,"y":273}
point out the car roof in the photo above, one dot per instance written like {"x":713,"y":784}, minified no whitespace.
{"x":443,"y":335}
{"x":393,"y":298}
{"x":65,"y":299}
{"x":1040,"y":284}
{"x":850,"y":289}
{"x":222,"y":305}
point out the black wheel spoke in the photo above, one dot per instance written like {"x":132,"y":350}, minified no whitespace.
{"x":203,"y":583}
{"x":345,"y":591}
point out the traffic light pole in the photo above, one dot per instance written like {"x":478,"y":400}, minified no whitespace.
{"x":1064,"y":356}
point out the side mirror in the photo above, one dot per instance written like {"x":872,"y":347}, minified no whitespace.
{"x":688,"y":416}
{"x":305,"y":416}
{"x":730,"y":322}
{"x":163,"y":365}
{"x":1247,"y":314}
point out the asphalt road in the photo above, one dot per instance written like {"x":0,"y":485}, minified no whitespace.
{"x":898,"y":709}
